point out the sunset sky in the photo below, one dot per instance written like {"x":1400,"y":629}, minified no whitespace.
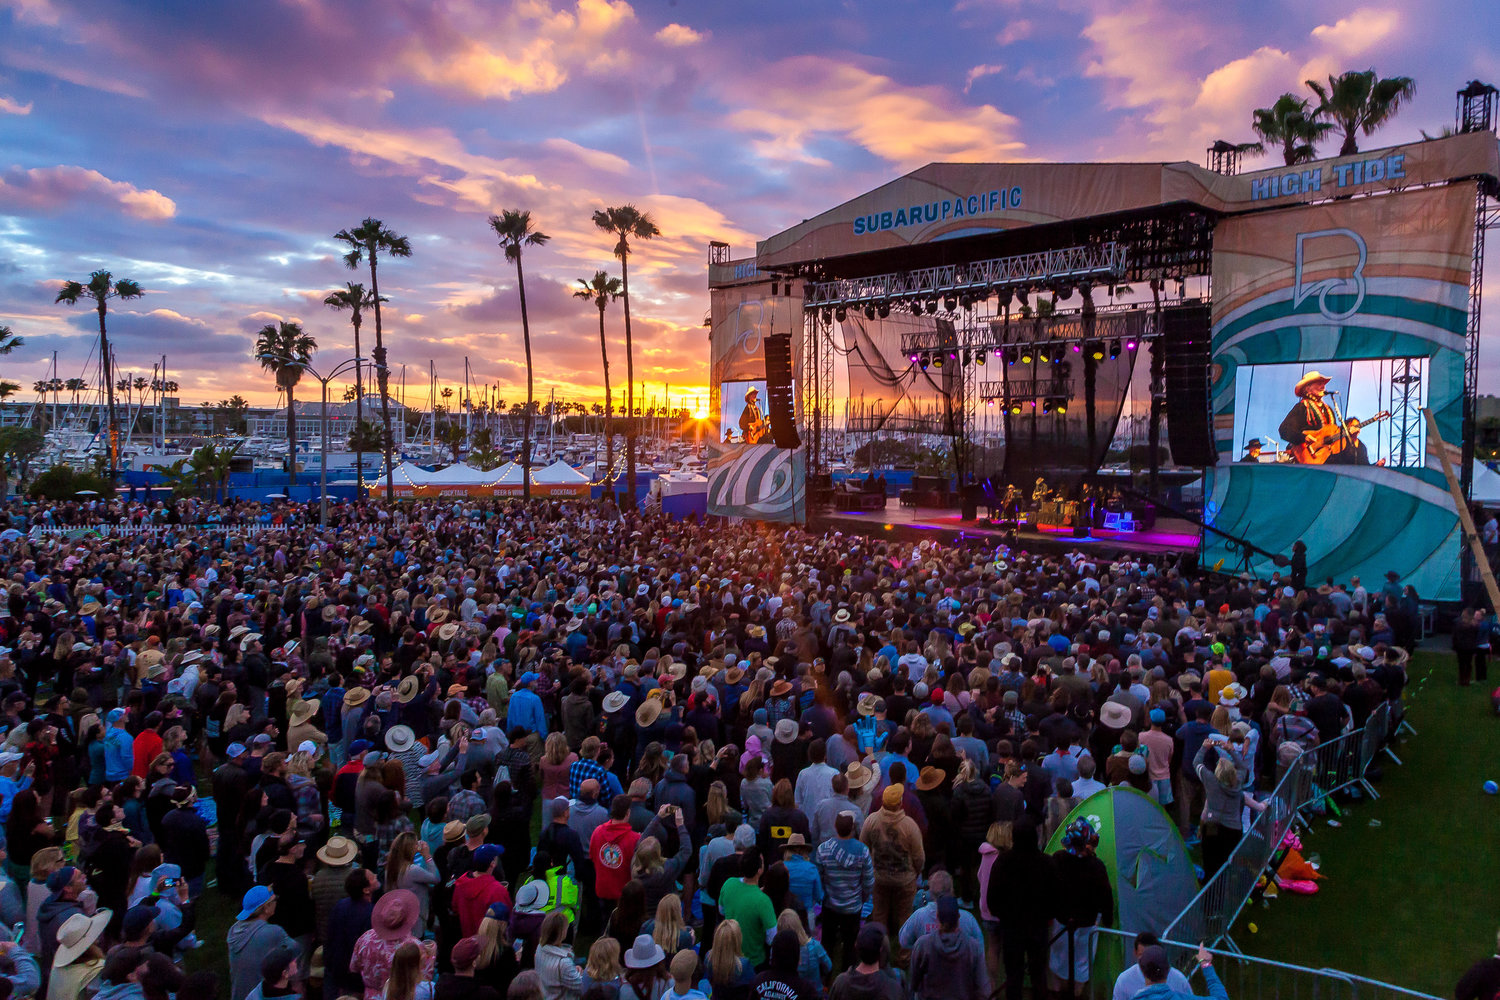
{"x":209,"y":150}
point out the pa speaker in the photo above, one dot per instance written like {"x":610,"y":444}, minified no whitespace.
{"x":1186,"y":341}
{"x":779,"y":391}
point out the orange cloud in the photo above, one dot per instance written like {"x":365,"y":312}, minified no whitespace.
{"x":678,"y":35}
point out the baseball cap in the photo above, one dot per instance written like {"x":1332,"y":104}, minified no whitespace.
{"x":947,"y":911}
{"x":1153,"y":963}
{"x":138,"y":918}
{"x":236,"y":750}
{"x":359,"y":746}
{"x":465,"y":953}
{"x":253,"y":900}
{"x":487,"y":855}
{"x":477,"y":824}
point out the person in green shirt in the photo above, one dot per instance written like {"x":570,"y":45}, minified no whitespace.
{"x":743,"y":900}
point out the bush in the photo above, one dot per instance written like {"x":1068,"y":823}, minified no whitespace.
{"x":62,"y":482}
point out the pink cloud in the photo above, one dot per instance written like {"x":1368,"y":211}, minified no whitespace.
{"x":11,"y":106}
{"x":678,"y":35}
{"x":56,"y":189}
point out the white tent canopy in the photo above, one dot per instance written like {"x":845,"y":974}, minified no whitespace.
{"x":559,"y":472}
{"x":407,"y":472}
{"x":508,"y":474}
{"x":460,"y":474}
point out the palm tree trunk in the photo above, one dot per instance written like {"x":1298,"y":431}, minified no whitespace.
{"x":630,"y":426}
{"x":609,"y":430}
{"x":383,"y":375}
{"x":526,"y":342}
{"x":359,"y":408}
{"x":291,"y":439}
{"x":111,"y":436}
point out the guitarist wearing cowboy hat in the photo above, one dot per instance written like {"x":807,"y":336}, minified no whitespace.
{"x":753,"y":426}
{"x":1311,"y":419}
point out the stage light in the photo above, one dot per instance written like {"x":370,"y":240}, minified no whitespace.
{"x":989,"y":402}
{"x":1131,"y":344}
{"x":1063,"y":293}
{"x":937,"y":360}
{"x":1114,"y":349}
{"x":968,"y":356}
{"x":1057,"y":358}
{"x":1006,"y":296}
{"x":1042,"y":355}
{"x":1026,"y":356}
{"x":1077,"y":348}
{"x":1010,"y":354}
{"x":1061,"y":408}
{"x":967,"y":301}
{"x":827,"y":315}
{"x":841,"y":314}
{"x":979,"y":358}
{"x":1096,"y":350}
{"x":950,"y":303}
{"x":1015,"y":408}
{"x":926,"y":360}
{"x":869,"y":312}
{"x":915,"y":358}
{"x":1021,"y":297}
{"x":884,"y":310}
{"x":1047,"y":406}
{"x":932,"y":306}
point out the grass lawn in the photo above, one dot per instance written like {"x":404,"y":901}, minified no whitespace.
{"x":1411,"y":902}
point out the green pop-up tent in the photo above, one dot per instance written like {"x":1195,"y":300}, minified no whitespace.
{"x":1149,"y":868}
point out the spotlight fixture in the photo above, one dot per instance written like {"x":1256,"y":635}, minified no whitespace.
{"x":1015,"y":407}
{"x":1010,"y":354}
{"x":932,"y":306}
{"x":968,"y":356}
{"x":1131,"y":344}
{"x":827,"y":315}
{"x":1025,"y":355}
{"x":1046,"y":406}
{"x":1096,"y":350}
{"x":869,"y":312}
{"x":1077,"y":347}
{"x":915,"y":357}
{"x":1114,"y":349}
{"x":937,"y":360}
{"x":774,"y":288}
{"x":1021,"y":297}
{"x":1005,"y":296}
{"x":950,"y":303}
{"x":1063,"y":293}
{"x":979,"y":357}
{"x":1042,"y":355}
{"x":841,"y":314}
{"x":926,"y":359}
{"x":884,"y":310}
{"x":1061,"y":407}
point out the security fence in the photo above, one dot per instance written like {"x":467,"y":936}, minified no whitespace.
{"x":1308,"y":782}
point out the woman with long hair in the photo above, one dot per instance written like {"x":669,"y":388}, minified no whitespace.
{"x":716,"y":808}
{"x":138,"y":883}
{"x":26,"y":832}
{"x":603,"y":967}
{"x":406,"y":981}
{"x":561,"y":978}
{"x":728,"y":971}
{"x":496,"y":964}
{"x":629,"y":913}
{"x":813,"y":963}
{"x":557,"y":759}
{"x":667,"y":928}
{"x":409,"y":865}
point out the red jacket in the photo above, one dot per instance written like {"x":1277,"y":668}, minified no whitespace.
{"x":611,"y":849}
{"x":473,"y":894}
{"x":147,"y":745}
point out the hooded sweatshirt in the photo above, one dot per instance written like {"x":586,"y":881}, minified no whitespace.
{"x":611,"y":848}
{"x":949,"y":964}
{"x":1162,"y":991}
{"x":250,"y":941}
{"x":895,"y":845}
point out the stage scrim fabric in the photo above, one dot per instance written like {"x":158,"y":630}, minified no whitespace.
{"x":1324,"y":288}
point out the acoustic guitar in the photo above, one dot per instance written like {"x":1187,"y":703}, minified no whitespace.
{"x":757,"y":428}
{"x":1322,"y":444}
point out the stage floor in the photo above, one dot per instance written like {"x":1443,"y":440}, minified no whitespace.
{"x":1170,"y":534}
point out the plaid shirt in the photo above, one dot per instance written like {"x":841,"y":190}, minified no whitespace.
{"x":581,"y":771}
{"x":385,"y":836}
{"x":464,"y":805}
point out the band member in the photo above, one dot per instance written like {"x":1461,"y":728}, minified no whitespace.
{"x":1252,"y":450}
{"x":1355,"y":453}
{"x":753,"y":426}
{"x":1310,"y":419}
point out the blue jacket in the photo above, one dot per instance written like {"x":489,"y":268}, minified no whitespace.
{"x":848,"y":874}
{"x":1161,"y":991}
{"x":119,"y":754}
{"x":526,"y":711}
{"x":804,"y":879}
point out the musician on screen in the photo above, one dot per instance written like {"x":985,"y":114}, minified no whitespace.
{"x":753,"y":425}
{"x":1315,"y":433}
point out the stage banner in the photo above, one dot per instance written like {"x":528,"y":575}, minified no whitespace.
{"x":1334,"y":325}
{"x":748,"y":476}
{"x":759,"y":481}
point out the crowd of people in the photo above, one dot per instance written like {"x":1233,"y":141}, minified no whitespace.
{"x":471,"y":750}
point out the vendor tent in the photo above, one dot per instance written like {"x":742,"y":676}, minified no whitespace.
{"x":509,"y":474}
{"x":461,"y":474}
{"x":1149,"y":868}
{"x":557,"y":473}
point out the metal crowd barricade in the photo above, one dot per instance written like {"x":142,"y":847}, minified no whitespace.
{"x":1308,"y":781}
{"x":1243,"y":976}
{"x":128,"y":530}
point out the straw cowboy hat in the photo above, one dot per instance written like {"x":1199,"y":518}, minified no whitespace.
{"x":858,"y":775}
{"x":648,"y":712}
{"x":356,"y":696}
{"x":614,"y":701}
{"x":929,"y":778}
{"x":866,"y":704}
{"x":406,"y":690}
{"x":447,"y":631}
{"x":1311,"y":378}
{"x":437,"y":616}
{"x":360,"y":626}
{"x":338,"y":852}
{"x":400,"y":739}
{"x":304,"y":710}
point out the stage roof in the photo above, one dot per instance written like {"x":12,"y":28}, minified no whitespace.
{"x":953,"y":201}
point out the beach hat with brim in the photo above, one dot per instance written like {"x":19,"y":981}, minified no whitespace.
{"x":786,"y":731}
{"x":1113,"y":715}
{"x":644,"y":953}
{"x":437,"y":616}
{"x":858,"y":775}
{"x":395,"y":915}
{"x":928,"y":779}
{"x":400,"y":739}
{"x":781,"y":689}
{"x":77,"y":934}
{"x":339,"y":851}
{"x":356,"y":696}
{"x":304,"y":710}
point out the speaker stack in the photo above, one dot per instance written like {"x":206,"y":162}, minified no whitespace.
{"x":779,"y":410}
{"x":1187,"y":340}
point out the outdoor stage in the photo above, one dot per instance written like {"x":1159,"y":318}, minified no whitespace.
{"x":944,"y":524}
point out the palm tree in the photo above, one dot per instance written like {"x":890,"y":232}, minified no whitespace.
{"x":75,"y":386}
{"x":284,"y":350}
{"x":1357,"y":101}
{"x":366,"y":241}
{"x":451,"y":435}
{"x":482,"y":451}
{"x":211,"y":466}
{"x":8,"y":340}
{"x":356,"y":300}
{"x":366,"y":436}
{"x":9,"y":389}
{"x":600,"y":289}
{"x":101,"y":287}
{"x":1291,"y":125}
{"x":625,"y":222}
{"x":513,"y":227}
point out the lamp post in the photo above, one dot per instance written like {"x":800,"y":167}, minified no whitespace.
{"x":323,"y":380}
